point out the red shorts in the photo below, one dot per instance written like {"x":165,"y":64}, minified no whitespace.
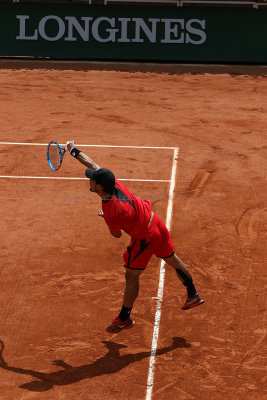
{"x":156,"y":241}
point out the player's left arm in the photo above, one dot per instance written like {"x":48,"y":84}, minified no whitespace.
{"x":116,"y":234}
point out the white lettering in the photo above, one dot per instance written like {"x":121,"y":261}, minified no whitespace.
{"x":124,"y":30}
{"x":83,"y":32}
{"x":121,"y":30}
{"x":22,"y":29}
{"x":172,"y":31}
{"x":61,"y":28}
{"x":112,"y":32}
{"x":150,"y":33}
{"x":196,"y":31}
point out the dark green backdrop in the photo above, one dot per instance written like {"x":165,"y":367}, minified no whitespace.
{"x":199,"y":35}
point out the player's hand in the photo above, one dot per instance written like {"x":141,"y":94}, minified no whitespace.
{"x":70,"y":145}
{"x":100,"y":213}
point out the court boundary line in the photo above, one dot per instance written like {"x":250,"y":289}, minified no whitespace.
{"x":93,"y":145}
{"x":152,"y":361}
{"x":80,"y":179}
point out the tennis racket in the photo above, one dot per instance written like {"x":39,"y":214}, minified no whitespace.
{"x":55,"y":154}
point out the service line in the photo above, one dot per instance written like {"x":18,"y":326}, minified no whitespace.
{"x":92,"y":145}
{"x":79,"y":179}
{"x":159,"y":297}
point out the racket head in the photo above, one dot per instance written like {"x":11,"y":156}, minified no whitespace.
{"x":55,"y":154}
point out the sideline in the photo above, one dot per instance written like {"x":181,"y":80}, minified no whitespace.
{"x":159,"y":297}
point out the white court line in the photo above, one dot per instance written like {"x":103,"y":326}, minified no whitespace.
{"x":152,"y":361}
{"x":81,"y":179}
{"x":92,"y":145}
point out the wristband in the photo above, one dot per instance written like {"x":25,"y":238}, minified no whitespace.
{"x":74,"y":152}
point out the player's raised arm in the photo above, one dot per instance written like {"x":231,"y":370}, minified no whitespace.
{"x":81,"y":156}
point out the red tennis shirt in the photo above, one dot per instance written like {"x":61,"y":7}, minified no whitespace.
{"x":127,"y":212}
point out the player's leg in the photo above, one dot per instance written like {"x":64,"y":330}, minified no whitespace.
{"x":166,"y":251}
{"x":193,"y":298}
{"x":136,"y":258}
{"x":182,"y":273}
{"x":131,"y":291}
{"x":131,"y":287}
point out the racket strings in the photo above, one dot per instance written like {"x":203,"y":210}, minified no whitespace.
{"x":54,"y":155}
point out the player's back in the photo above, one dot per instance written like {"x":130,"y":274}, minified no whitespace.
{"x":126,"y":211}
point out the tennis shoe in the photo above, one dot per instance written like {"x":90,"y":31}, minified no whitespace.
{"x":117,"y":325}
{"x":192,"y":302}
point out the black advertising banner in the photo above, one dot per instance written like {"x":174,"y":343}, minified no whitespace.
{"x":187,"y":34}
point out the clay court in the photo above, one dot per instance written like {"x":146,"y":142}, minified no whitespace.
{"x":193,"y":141}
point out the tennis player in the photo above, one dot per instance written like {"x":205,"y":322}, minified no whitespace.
{"x":123,"y":211}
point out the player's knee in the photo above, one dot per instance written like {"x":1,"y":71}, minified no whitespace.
{"x":170,"y":260}
{"x":132,"y":276}
{"x":173,"y":261}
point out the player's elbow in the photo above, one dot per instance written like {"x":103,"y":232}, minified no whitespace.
{"x":116,"y":234}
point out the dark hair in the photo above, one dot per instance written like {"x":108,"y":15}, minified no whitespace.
{"x":108,"y":187}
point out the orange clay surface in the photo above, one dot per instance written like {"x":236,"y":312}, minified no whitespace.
{"x":62,"y":275}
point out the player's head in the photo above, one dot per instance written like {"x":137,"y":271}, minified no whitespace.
{"x":101,"y":180}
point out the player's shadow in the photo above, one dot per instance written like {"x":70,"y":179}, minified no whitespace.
{"x":110,"y":363}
